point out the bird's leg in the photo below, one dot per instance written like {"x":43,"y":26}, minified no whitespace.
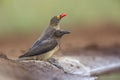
{"x":54,"y":62}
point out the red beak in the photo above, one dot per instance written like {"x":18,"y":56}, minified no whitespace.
{"x":63,"y":15}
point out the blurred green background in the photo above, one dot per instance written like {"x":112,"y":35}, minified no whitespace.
{"x":23,"y":16}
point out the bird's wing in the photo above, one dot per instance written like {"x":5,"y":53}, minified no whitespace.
{"x":49,"y":32}
{"x":41,"y":47}
{"x":35,"y":44}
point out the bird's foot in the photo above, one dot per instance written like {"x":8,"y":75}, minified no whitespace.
{"x":54,"y":62}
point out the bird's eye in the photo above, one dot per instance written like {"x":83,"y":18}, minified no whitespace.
{"x":58,"y":17}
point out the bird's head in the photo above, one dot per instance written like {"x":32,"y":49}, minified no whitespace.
{"x":56,"y":19}
{"x":60,"y":33}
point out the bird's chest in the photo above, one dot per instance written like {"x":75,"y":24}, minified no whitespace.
{"x":47,"y":55}
{"x":57,"y":27}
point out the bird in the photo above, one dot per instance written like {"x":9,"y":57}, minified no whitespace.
{"x":53,"y":25}
{"x":46,"y":48}
{"x":48,"y":43}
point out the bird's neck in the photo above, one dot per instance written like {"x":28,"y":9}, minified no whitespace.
{"x":56,"y":27}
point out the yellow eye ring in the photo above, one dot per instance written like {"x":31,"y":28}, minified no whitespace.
{"x":58,"y":17}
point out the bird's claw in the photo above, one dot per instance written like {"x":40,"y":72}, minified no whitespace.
{"x":54,"y":62}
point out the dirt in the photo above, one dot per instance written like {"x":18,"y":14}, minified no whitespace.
{"x":90,"y":45}
{"x":102,"y":37}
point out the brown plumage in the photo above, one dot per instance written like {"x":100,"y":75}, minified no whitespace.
{"x":49,"y":41}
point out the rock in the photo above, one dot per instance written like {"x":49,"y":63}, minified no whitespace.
{"x":3,"y":56}
{"x":73,"y":66}
{"x":37,"y":70}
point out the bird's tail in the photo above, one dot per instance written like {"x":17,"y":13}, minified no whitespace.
{"x":22,"y":57}
{"x":25,"y":57}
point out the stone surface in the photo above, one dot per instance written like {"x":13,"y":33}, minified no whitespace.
{"x":34,"y":70}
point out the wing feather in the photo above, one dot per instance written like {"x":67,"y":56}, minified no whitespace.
{"x":41,"y":47}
